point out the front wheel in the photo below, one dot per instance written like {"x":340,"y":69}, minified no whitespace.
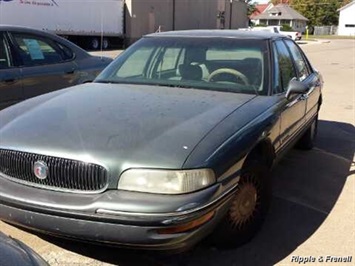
{"x":248,"y":207}
{"x":306,"y":142}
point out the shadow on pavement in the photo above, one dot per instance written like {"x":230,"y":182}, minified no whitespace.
{"x":306,"y":186}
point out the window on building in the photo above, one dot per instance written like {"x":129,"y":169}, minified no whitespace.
{"x":273,"y":22}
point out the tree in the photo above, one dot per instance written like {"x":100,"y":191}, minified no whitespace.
{"x":251,"y":7}
{"x":345,"y":2}
{"x":319,"y":12}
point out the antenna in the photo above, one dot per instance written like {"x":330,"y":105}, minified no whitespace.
{"x":102,"y":31}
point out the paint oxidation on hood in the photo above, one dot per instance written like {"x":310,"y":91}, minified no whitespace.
{"x":116,"y":124}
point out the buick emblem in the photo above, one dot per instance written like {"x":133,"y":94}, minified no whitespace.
{"x":40,"y":169}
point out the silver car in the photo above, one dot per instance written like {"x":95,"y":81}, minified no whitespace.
{"x":34,"y":62}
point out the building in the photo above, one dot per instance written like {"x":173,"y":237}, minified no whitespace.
{"x":346,"y":24}
{"x":282,"y":14}
{"x":260,"y":8}
{"x":148,"y":16}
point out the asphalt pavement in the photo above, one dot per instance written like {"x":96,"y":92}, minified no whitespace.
{"x":312,"y":216}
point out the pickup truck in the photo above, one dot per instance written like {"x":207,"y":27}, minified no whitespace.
{"x":294,"y":35}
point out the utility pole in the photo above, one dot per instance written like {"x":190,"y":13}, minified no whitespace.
{"x":230,"y":13}
{"x":173,"y":14}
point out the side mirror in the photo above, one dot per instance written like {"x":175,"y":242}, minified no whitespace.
{"x":295,"y":87}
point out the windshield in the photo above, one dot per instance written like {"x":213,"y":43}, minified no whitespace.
{"x":233,"y":65}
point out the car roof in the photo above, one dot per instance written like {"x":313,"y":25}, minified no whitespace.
{"x":236,"y":34}
{"x":4,"y":27}
{"x":37,"y":32}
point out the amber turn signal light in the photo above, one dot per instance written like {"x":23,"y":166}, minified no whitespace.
{"x":187,"y":226}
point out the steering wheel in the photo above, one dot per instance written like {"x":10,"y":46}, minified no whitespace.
{"x":237,"y":74}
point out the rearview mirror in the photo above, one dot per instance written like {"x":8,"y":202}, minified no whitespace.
{"x":295,"y":87}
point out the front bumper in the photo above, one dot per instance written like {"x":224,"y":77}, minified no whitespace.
{"x":114,"y":217}
{"x":143,"y":237}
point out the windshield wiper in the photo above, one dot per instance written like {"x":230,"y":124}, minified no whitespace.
{"x":108,"y":81}
{"x":171,"y":85}
{"x":105,"y":81}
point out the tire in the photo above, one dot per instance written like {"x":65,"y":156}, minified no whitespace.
{"x":248,"y":209}
{"x":105,"y":44}
{"x":94,"y":43}
{"x":307,"y":140}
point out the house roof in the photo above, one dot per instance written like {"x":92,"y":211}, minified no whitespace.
{"x":283,"y":11}
{"x":346,"y":6}
{"x":261,"y":8}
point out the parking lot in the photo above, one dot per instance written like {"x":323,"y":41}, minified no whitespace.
{"x":313,"y":208}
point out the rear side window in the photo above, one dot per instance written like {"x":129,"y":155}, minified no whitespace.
{"x":4,"y":53}
{"x":35,"y":50}
{"x":233,"y":54}
{"x":136,"y":63}
{"x":67,"y":53}
{"x":171,"y":57}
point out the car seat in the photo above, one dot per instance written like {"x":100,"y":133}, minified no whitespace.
{"x":190,"y":72}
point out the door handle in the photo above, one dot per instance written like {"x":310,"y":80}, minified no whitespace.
{"x":10,"y":80}
{"x":70,"y":71}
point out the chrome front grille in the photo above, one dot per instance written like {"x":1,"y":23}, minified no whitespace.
{"x":63,"y":174}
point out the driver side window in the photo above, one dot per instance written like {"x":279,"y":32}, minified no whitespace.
{"x":284,"y":69}
{"x":301,"y":65}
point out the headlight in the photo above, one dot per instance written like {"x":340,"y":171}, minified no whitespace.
{"x":166,"y":181}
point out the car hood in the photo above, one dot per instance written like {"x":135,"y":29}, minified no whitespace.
{"x":116,"y":125}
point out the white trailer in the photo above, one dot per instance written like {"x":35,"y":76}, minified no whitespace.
{"x":87,"y":22}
